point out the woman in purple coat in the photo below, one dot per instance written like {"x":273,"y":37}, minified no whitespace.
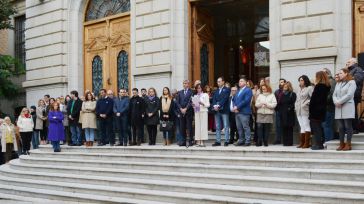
{"x":55,"y":129}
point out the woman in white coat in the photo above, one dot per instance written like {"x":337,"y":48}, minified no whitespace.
{"x":302,"y":110}
{"x":26,"y":125}
{"x":265,"y":103}
{"x":343,"y":98}
{"x":201,"y":115}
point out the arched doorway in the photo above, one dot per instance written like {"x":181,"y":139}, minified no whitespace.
{"x":107,"y":45}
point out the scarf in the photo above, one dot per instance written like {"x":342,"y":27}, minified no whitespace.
{"x":166,"y":104}
{"x":151,"y":98}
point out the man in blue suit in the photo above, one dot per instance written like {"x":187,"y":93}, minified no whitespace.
{"x":184,"y":112}
{"x":220,"y":105}
{"x":243,"y":112}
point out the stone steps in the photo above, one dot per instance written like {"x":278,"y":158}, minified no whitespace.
{"x":172,"y":174}
{"x":46,"y":196}
{"x":228,"y":152}
{"x":89,"y":167}
{"x":147,"y":195}
{"x":121,"y":159}
{"x":148,"y":178}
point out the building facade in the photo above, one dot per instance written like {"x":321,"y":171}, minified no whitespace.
{"x":89,"y":44}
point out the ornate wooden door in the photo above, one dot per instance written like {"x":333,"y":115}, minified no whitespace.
{"x":359,"y":26}
{"x":110,"y":41}
{"x":107,"y":45}
{"x":202,"y":46}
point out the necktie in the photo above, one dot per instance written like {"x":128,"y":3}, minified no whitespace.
{"x":220,"y":90}
{"x":185,"y":91}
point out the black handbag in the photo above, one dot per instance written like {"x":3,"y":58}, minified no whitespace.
{"x":165,"y":125}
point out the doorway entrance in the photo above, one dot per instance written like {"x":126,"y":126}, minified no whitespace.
{"x":229,"y":38}
{"x":107,"y":45}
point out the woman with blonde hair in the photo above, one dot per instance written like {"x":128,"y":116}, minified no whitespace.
{"x":40,"y":121}
{"x":8,"y":139}
{"x":26,"y":125}
{"x":265,"y":103}
{"x":317,"y":108}
{"x":166,"y":115}
{"x":343,"y":98}
{"x":287,"y":110}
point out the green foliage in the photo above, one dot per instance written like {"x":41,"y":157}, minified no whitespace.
{"x":9,"y":67}
{"x":6,"y":10}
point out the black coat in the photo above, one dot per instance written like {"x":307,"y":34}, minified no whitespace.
{"x":357,"y":73}
{"x":318,"y":102}
{"x":152,"y":106}
{"x":169,"y":113}
{"x":75,"y":112}
{"x":137,"y":111}
{"x":286,"y":109}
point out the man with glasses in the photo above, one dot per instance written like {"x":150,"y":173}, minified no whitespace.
{"x":104,"y":111}
{"x":232,"y":121}
{"x":121,"y":111}
{"x":185,"y":113}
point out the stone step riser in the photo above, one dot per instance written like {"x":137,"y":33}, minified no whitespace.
{"x":165,"y":198}
{"x":11,"y":191}
{"x":243,"y":172}
{"x":219,"y":151}
{"x":120,"y":194}
{"x":221,"y":181}
{"x":211,"y":161}
{"x":354,"y":147}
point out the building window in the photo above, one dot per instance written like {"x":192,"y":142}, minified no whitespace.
{"x":103,"y":8}
{"x":20,"y":38}
{"x":204,"y":52}
{"x":96,"y":75}
{"x":123,"y":80}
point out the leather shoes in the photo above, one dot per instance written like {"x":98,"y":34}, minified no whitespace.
{"x":226,"y":144}
{"x":239,"y":144}
{"x":247,"y":144}
{"x":216,"y":144}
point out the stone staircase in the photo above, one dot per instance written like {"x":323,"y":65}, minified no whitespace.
{"x":158,"y":174}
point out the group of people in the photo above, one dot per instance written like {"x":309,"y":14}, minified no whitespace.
{"x":188,"y":114}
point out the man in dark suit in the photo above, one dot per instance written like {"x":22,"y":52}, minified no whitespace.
{"x":73,"y":112}
{"x":185,"y":113}
{"x":104,"y":111}
{"x":137,"y":112}
{"x":232,"y":121}
{"x":220,"y":105}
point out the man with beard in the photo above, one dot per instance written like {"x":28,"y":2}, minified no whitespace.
{"x":278,"y":94}
{"x":137,"y":112}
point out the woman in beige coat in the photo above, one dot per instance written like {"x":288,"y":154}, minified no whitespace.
{"x":89,"y":118}
{"x":40,"y":121}
{"x":302,"y":110}
{"x":201,"y":115}
{"x":8,"y":139}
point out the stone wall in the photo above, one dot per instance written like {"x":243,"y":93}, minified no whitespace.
{"x":307,"y":36}
{"x":46,"y":49}
{"x":160,"y":43}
